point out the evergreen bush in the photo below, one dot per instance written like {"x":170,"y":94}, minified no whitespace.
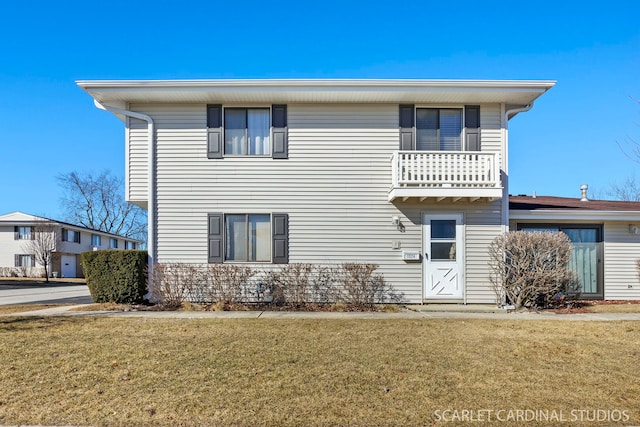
{"x":116,"y":276}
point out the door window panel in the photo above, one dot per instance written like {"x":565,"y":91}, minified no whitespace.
{"x":443,"y":251}
{"x":443,"y":229}
{"x":443,"y":239}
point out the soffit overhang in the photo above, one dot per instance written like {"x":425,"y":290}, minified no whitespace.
{"x":510,"y":92}
{"x":573,"y":215}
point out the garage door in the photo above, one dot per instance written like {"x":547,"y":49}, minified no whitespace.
{"x":68,"y":265}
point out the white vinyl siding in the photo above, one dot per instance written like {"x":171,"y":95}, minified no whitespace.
{"x":491,"y":131}
{"x":137,"y":178}
{"x":621,"y":252}
{"x":334,"y":186}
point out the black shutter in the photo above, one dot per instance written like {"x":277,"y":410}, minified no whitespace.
{"x":32,"y":233}
{"x":16,"y":234}
{"x":407,"y":128}
{"x":33,"y":260}
{"x":78,"y":237}
{"x":280,"y":236}
{"x":216,"y":229}
{"x":472,"y":125}
{"x":65,"y":235}
{"x":214,"y":131}
{"x":280,"y":131}
{"x":16,"y":260}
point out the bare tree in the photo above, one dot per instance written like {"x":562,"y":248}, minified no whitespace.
{"x":44,"y":243}
{"x":97,"y":201}
{"x":627,"y":189}
{"x":630,"y":146}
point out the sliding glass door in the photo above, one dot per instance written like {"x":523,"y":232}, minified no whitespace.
{"x":586,"y":257}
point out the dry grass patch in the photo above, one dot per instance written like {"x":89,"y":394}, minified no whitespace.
{"x":21,"y":308}
{"x":142,"y":372}
{"x":102,"y":306}
{"x":614,"y":308}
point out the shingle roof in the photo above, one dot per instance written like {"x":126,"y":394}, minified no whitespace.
{"x":529,"y":203}
{"x":25,"y":218}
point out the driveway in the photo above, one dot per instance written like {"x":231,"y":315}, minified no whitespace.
{"x":39,"y":292}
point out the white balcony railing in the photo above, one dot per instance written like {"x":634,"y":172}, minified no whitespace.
{"x":447,"y":173}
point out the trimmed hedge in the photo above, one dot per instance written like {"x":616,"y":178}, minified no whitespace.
{"x":116,"y":276}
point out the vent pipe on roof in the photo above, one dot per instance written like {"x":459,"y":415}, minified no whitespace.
{"x":583,"y":189}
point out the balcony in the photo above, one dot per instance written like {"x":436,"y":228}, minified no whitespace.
{"x":440,"y":175}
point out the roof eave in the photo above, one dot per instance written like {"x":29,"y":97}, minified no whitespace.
{"x":572,"y":214}
{"x":518,"y":92}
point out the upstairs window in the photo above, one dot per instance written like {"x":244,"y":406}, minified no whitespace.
{"x":239,"y":131}
{"x":96,"y":240}
{"x":129,"y":245}
{"x":22,"y":233}
{"x":70,"y":235}
{"x":113,"y":243}
{"x":439,"y":129}
{"x":246,"y":131}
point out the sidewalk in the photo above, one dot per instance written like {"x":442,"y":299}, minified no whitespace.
{"x":434,"y":311}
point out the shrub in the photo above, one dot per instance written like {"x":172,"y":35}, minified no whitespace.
{"x":173,"y":282}
{"x":228,"y":283}
{"x":360,"y":285}
{"x":116,"y":276}
{"x":8,"y":272}
{"x":220,"y":285}
{"x":530,"y":269}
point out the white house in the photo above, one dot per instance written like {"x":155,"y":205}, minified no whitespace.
{"x":16,"y":258}
{"x":411,"y":175}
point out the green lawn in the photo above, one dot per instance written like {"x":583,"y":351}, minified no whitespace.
{"x":146,"y":372}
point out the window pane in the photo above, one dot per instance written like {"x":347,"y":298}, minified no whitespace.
{"x":584,"y":261}
{"x":258,"y":130}
{"x":24,"y":233}
{"x":450,"y":130}
{"x":236,"y":233}
{"x":26,"y":261}
{"x":540,"y":229}
{"x":426,"y":129}
{"x":443,"y":229}
{"x":581,"y":235}
{"x":443,"y":251}
{"x":235,"y":125}
{"x":259,"y":238}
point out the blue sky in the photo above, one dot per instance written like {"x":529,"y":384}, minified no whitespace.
{"x":49,"y":126}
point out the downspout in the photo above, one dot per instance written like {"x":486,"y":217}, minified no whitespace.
{"x":505,"y":161}
{"x":151,"y":201}
{"x":505,"y":168}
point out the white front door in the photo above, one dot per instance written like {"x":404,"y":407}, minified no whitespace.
{"x":443,"y":256}
{"x":68,"y":266}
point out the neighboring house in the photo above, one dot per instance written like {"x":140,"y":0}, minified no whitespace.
{"x":605,"y":235}
{"x":17,"y":229}
{"x":411,"y":175}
